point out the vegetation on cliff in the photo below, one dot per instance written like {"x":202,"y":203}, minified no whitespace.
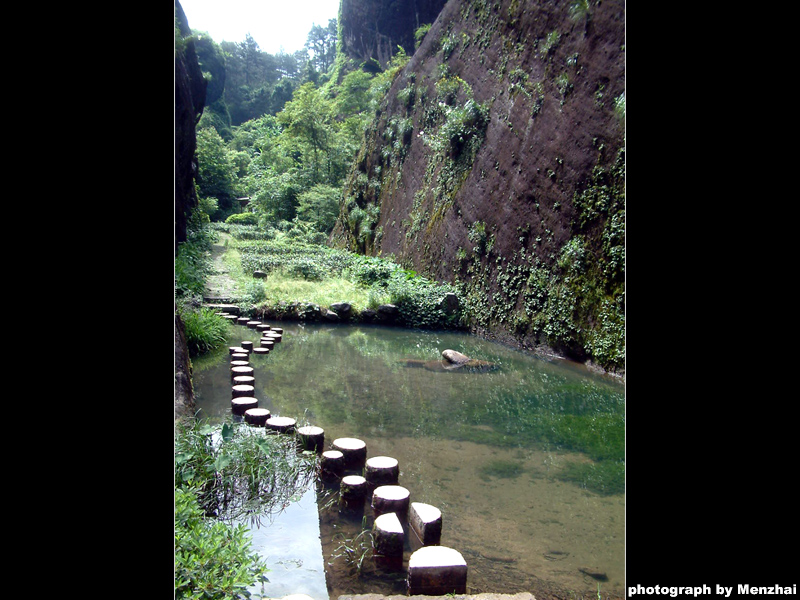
{"x":496,"y":162}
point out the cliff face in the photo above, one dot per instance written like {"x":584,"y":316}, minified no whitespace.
{"x":190,"y":91}
{"x":497,"y":161}
{"x":190,"y":94}
{"x":374,"y":28}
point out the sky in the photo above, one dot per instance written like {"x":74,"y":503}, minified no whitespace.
{"x":274,"y":24}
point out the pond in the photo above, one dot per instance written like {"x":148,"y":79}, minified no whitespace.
{"x":525,"y":462}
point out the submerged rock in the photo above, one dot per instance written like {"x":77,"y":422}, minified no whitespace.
{"x":452,"y":362}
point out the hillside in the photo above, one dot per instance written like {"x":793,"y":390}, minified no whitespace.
{"x":497,"y":162}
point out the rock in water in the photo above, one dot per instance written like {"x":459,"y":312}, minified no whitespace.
{"x":455,"y":357}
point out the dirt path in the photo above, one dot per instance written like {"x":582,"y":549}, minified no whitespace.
{"x":220,"y":286}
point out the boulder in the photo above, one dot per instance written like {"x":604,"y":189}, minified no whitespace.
{"x":452,"y":361}
{"x":449,"y":304}
{"x":388,"y":312}
{"x":331,"y":316}
{"x":454,"y":357}
{"x":341,"y":308}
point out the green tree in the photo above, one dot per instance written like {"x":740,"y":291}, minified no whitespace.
{"x":321,"y":42}
{"x":216,"y":175}
{"x":307,"y":120}
{"x":320,"y":206}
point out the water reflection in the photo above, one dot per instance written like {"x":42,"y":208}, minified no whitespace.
{"x":525,"y":462}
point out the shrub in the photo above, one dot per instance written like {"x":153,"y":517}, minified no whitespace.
{"x":418,"y":300}
{"x":212,"y":559}
{"x":245,"y":218}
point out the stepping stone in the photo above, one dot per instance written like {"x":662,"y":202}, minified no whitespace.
{"x":277,"y":329}
{"x":426,"y":522}
{"x":262,"y":327}
{"x":244,"y":380}
{"x":261,"y":351}
{"x":354,"y":450}
{"x":436,"y":571}
{"x":388,"y":535}
{"x":240,"y":356}
{"x":382,"y":470}
{"x":354,"y":487}
{"x":331,"y":464}
{"x":311,"y":438}
{"x":242,"y":320}
{"x":281,"y":424}
{"x":253,"y":324}
{"x":242,"y":404}
{"x":236,"y":349}
{"x":391,"y":498}
{"x":256,"y":416}
{"x":239,"y":391}
{"x":267,"y":343}
{"x":240,"y":363}
{"x":247,"y":345}
{"x":246,"y":371}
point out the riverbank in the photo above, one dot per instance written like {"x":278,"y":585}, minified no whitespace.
{"x":423,"y":304}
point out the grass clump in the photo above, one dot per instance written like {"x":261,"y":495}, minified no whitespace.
{"x":204,"y":329}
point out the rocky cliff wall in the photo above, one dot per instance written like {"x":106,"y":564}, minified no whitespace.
{"x":374,"y":28}
{"x":190,"y":88}
{"x":190,"y":94}
{"x":497,"y":161}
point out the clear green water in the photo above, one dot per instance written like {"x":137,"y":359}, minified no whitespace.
{"x":525,"y":462}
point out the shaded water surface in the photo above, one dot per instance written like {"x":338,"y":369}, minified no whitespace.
{"x":524,"y":461}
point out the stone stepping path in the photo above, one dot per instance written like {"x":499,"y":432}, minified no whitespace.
{"x":432,"y":569}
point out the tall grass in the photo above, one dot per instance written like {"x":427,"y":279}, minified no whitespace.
{"x":204,"y":330}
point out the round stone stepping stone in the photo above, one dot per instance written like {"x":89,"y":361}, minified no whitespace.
{"x":331,"y":464}
{"x":275,"y":337}
{"x":267,"y":343}
{"x":243,"y":403}
{"x":247,"y":345}
{"x":238,"y":391}
{"x":231,"y":317}
{"x":244,"y":380}
{"x":262,"y":327}
{"x":311,"y":438}
{"x":240,"y":363}
{"x":246,"y":371}
{"x":388,"y":535}
{"x":242,"y":320}
{"x":382,"y":470}
{"x":281,"y":424}
{"x":261,"y":351}
{"x":240,"y":356}
{"x":426,"y":522}
{"x":256,"y":416}
{"x":436,"y":571}
{"x":354,"y":450}
{"x":253,"y":324}
{"x":236,"y":349}
{"x":353,"y":487}
{"x":391,"y":498}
